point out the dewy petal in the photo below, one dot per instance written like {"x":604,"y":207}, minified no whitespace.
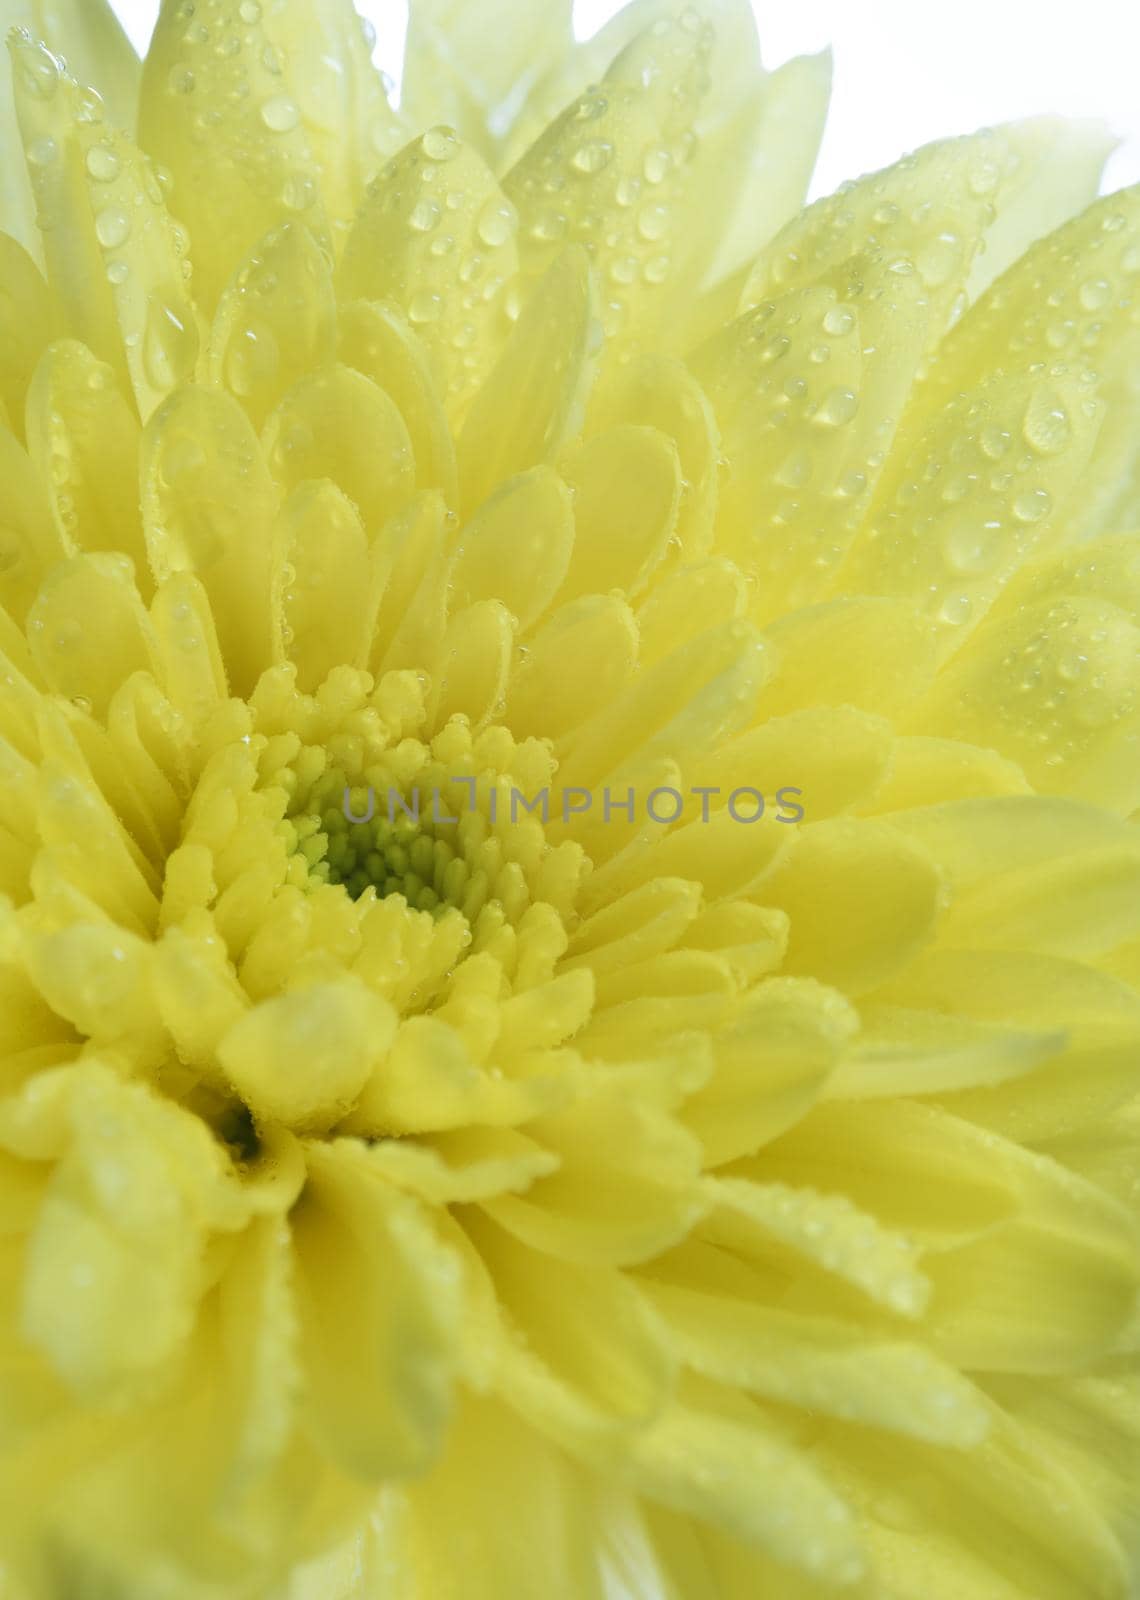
{"x":824,"y":1365}
{"x":1043,"y":309}
{"x":336,"y":423}
{"x":435,"y":236}
{"x":120,"y":1235}
{"x":378,"y":1306}
{"x":591,"y":160}
{"x":459,"y":69}
{"x":326,"y":53}
{"x":275,"y":322}
{"x":227,"y":128}
{"x":500,"y":554}
{"x":27,"y":326}
{"x":627,"y":488}
{"x":90,"y":35}
{"x":534,"y":398}
{"x":83,"y":436}
{"x":208,"y":506}
{"x":116,"y":260}
{"x":380,"y":342}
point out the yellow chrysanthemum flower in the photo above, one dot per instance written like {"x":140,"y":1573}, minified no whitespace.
{"x":452,"y":1146}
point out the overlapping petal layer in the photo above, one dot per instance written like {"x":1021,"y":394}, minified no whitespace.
{"x":570,"y":951}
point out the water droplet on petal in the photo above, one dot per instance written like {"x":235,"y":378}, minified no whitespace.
{"x":281,"y":114}
{"x":440,"y":144}
{"x":837,"y":407}
{"x":170,"y":344}
{"x":102,"y":163}
{"x":497,"y":222}
{"x":42,"y":152}
{"x":112,"y":227}
{"x":424,"y":307}
{"x":1032,"y":505}
{"x":1095,"y":294}
{"x":424,"y":216}
{"x":1046,"y":426}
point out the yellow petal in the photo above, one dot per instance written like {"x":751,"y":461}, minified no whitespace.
{"x":771,"y":1064}
{"x":591,"y":158}
{"x":227,"y":128}
{"x":862,"y":900}
{"x":627,"y":488}
{"x":208,"y":506}
{"x":377,"y":340}
{"x":115,"y":257}
{"x":327,"y":54}
{"x":84,"y":438}
{"x":88,"y":629}
{"x":546,"y":700}
{"x":517,"y":547}
{"x":119,"y":1236}
{"x":659,"y":392}
{"x":823,"y":1365}
{"x":326,"y":602}
{"x":533,"y":400}
{"x":458,"y":70}
{"x":379,"y":1310}
{"x":27,"y":326}
{"x":338,"y":424}
{"x":275,"y":322}
{"x":436,"y":237}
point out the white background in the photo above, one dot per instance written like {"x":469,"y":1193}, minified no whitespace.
{"x":907,"y":71}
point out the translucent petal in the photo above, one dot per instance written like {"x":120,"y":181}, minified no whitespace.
{"x":83,"y":436}
{"x":743,"y":1477}
{"x":119,"y":1237}
{"x":598,"y":1211}
{"x":687,"y":601}
{"x":115,"y":257}
{"x":29,"y":538}
{"x":697,"y":693}
{"x":545,"y":699}
{"x":436,"y":237}
{"x":771,"y":1064}
{"x":338,"y":424}
{"x":770,"y":1221}
{"x":27,"y":326}
{"x":303,"y":1058}
{"x":208,"y":506}
{"x":1046,"y":874}
{"x":627,"y":490}
{"x":379,"y":1308}
{"x":823,"y":1365}
{"x":454,"y":1533}
{"x":326,"y":51}
{"x":991,"y":479}
{"x":93,"y":41}
{"x":604,"y":1339}
{"x":774,"y":137}
{"x":659,"y":392}
{"x":88,"y":629}
{"x":475,"y":660}
{"x":533,"y":401}
{"x":517,"y":546}
{"x":275,"y":322}
{"x":459,"y":70}
{"x":1055,"y":687}
{"x":326,"y":602}
{"x":376,"y":340}
{"x":862,"y":899}
{"x":226,"y":126}
{"x":592,"y":157}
